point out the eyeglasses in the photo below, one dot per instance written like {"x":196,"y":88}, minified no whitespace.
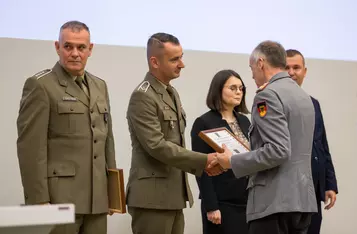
{"x":235,"y":88}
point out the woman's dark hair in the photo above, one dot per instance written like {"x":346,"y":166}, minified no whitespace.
{"x":214,"y":96}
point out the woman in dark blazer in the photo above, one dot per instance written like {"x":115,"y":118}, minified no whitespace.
{"x":223,"y":197}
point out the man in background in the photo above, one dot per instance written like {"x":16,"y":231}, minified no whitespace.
{"x":65,"y":141}
{"x":281,"y":193}
{"x":323,"y":172}
{"x":158,"y":187}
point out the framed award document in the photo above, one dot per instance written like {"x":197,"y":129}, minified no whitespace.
{"x":116,"y":191}
{"x":218,"y":136}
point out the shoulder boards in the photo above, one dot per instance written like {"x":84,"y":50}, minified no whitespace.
{"x":144,"y":86}
{"x":42,"y":73}
{"x":262,"y":87}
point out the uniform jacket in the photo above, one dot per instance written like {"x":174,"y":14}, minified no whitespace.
{"x":224,"y":188}
{"x":65,"y":142}
{"x":323,"y":172}
{"x":279,"y":162}
{"x":159,"y":157}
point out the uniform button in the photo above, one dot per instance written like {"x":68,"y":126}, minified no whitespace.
{"x":93,"y":126}
{"x":54,"y":172}
{"x":315,"y":158}
{"x":91,"y":111}
{"x":95,"y":141}
{"x":105,"y":109}
{"x":153,"y":173}
{"x":71,"y":109}
{"x":95,"y":156}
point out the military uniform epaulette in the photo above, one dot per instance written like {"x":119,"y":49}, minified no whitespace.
{"x":262,"y":87}
{"x":40,"y":74}
{"x":144,"y":86}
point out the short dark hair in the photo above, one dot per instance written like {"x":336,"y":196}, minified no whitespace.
{"x":293,"y":52}
{"x":273,"y":52}
{"x":157,"y":40}
{"x":75,"y":26}
{"x":214,"y":96}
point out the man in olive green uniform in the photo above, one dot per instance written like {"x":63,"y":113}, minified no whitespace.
{"x":65,"y":142}
{"x":158,"y":188}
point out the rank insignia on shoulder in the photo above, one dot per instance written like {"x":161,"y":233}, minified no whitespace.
{"x":144,"y":86}
{"x":262,"y":108}
{"x":262,"y":87}
{"x":40,"y":74}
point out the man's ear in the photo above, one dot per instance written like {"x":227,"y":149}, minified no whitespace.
{"x":57,"y":46}
{"x":90,"y":49}
{"x":260,"y":63}
{"x":154,"y":62}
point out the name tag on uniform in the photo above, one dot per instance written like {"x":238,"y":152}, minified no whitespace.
{"x":69,"y":99}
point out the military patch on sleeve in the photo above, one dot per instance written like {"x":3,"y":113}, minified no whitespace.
{"x":262,"y":108}
{"x":40,"y":74}
{"x":144,"y":86}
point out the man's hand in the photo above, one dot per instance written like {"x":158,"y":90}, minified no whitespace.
{"x":330,"y":199}
{"x":212,"y":166}
{"x":224,"y":158}
{"x":110,"y":212}
{"x":214,"y":216}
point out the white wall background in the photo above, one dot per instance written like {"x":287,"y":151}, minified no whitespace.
{"x":332,"y":82}
{"x":320,"y":28}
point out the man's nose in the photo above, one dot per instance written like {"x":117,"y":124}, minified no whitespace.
{"x":75,"y":52}
{"x":291,"y":71}
{"x":181,"y":64}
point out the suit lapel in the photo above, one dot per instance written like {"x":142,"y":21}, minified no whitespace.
{"x":70,"y":86}
{"x":159,"y":88}
{"x":75,"y":91}
{"x":168,"y":100}
{"x":93,"y":90}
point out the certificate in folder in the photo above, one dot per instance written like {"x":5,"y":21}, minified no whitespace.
{"x":218,"y":136}
{"x":116,"y":191}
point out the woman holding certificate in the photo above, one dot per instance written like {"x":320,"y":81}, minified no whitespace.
{"x":223,"y":197}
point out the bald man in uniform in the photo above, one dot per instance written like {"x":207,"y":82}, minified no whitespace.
{"x":65,"y":141}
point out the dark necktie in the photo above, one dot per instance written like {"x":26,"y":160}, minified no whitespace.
{"x":80,"y":82}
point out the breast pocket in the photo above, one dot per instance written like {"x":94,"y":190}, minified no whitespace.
{"x":69,"y":117}
{"x":103,"y":111}
{"x":170,"y":124}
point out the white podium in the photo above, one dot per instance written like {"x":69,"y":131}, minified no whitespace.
{"x":34,"y":219}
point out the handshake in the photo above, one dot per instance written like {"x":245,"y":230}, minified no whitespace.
{"x":218,"y":162}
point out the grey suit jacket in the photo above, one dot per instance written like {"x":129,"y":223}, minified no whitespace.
{"x":279,"y":163}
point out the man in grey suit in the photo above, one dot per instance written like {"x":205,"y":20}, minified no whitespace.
{"x":281,"y":192}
